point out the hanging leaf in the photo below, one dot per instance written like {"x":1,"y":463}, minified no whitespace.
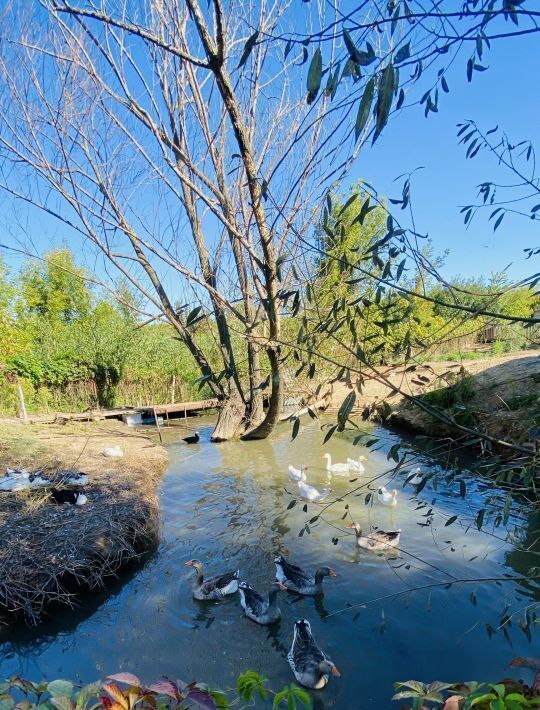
{"x":364,"y":109}
{"x":451,"y":520}
{"x":403,"y":53}
{"x":314,"y":76}
{"x":291,"y":504}
{"x":295,"y":429}
{"x":345,"y":409}
{"x":192,"y":315}
{"x":248,"y":47}
{"x":385,"y":93}
{"x":329,"y":433}
{"x":480,"y":518}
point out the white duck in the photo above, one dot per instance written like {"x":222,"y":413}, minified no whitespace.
{"x":338,"y":469}
{"x":297,"y":474}
{"x":356,"y":464}
{"x":414,"y":478}
{"x":311,"y":493}
{"x":15,"y":480}
{"x":114,"y":452}
{"x":388,"y":498}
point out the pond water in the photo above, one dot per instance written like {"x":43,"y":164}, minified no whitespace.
{"x":227,"y":505}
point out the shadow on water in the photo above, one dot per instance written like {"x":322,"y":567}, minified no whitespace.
{"x":228,"y":505}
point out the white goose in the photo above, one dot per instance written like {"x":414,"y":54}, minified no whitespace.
{"x":388,"y":498}
{"x":414,"y":478}
{"x":297,"y":474}
{"x":311,"y":493}
{"x":356,"y":464}
{"x":338,"y":469}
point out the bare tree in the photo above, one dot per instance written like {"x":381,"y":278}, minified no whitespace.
{"x":179,"y":141}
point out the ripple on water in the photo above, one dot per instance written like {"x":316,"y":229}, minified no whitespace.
{"x":227,"y":505}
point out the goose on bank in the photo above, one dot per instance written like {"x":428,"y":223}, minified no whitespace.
{"x":263,"y":611}
{"x":193,"y":439}
{"x":377,"y":540}
{"x":310,"y":666}
{"x":298,"y":580}
{"x":60,"y":496}
{"x":215,"y":587}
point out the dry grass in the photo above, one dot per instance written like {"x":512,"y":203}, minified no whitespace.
{"x":49,"y":552}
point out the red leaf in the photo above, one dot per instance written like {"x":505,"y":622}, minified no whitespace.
{"x":164,"y":687}
{"x":203,"y":699}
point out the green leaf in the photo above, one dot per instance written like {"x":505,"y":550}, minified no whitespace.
{"x":60,"y":687}
{"x":364,"y":108}
{"x":385,"y":93}
{"x":345,"y":409}
{"x":451,"y":520}
{"x":248,"y":47}
{"x":295,"y":429}
{"x":314,"y":76}
{"x":192,"y":315}
{"x":329,"y":433}
{"x":480,"y":518}
{"x":403,"y":53}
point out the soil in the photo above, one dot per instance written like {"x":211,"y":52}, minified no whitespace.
{"x":501,"y":396}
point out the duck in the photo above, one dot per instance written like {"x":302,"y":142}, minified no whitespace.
{"x":298,"y":474}
{"x":114,"y":452}
{"x":388,"y":498}
{"x":377,"y":540}
{"x":311,"y":493}
{"x":73,"y":478}
{"x":257,"y":608}
{"x":215,"y":587}
{"x":297,"y":580}
{"x":310,"y":666}
{"x":356,"y":464}
{"x":414,"y":478}
{"x":39,"y":481}
{"x":60,"y":496}
{"x":14,"y":484}
{"x":17,"y":473}
{"x":340,"y":469}
{"x":194,"y":439}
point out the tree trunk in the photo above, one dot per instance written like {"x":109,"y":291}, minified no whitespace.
{"x":276,"y":400}
{"x":231,"y":417}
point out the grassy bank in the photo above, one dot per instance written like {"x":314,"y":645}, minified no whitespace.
{"x":50,"y":553}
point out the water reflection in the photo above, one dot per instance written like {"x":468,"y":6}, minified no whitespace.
{"x":228,"y":506}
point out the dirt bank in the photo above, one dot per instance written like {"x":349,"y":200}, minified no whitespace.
{"x":499,"y":396}
{"x":49,"y":552}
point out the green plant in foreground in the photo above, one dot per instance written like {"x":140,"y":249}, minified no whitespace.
{"x":165,"y":694}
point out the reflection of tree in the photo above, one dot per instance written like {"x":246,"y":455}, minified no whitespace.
{"x":527,"y":556}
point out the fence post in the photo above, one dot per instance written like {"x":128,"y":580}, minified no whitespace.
{"x":21,"y":401}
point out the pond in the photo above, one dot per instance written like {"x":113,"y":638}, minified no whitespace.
{"x":229,"y":506}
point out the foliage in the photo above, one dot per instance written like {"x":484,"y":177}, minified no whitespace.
{"x":124,"y":691}
{"x":505,"y":695}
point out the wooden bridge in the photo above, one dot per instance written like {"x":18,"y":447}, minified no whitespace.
{"x":175,"y":409}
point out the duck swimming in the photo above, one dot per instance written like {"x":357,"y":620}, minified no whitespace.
{"x":356,"y":464}
{"x":297,"y":474}
{"x":256,"y":607}
{"x":215,"y":587}
{"x":310,"y":666}
{"x":298,"y":580}
{"x":377,"y":540}
{"x":388,"y":498}
{"x":339,"y":469}
{"x":194,"y":439}
{"x":311,"y":493}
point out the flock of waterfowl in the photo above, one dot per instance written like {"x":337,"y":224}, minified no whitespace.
{"x":58,"y":490}
{"x":311,"y":667}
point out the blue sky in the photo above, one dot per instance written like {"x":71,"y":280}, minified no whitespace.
{"x":505,"y":95}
